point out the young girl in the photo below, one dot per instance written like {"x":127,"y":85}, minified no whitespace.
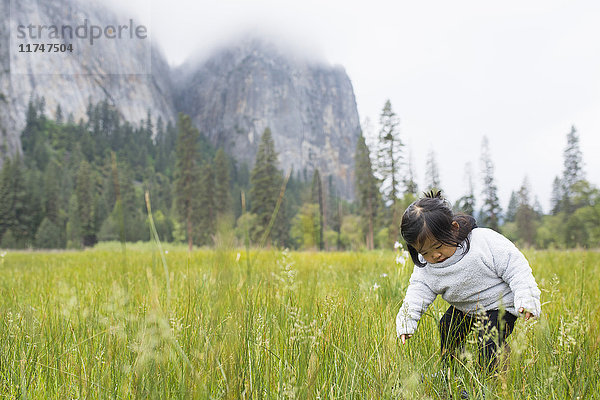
{"x":478,"y":271}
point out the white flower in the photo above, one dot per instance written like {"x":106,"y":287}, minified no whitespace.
{"x":2,"y":254}
{"x":384,"y":275}
{"x":166,"y":251}
{"x":397,"y":245}
{"x":405,"y":254}
{"x":376,"y":286}
{"x":237,"y":258}
{"x":400,"y":260}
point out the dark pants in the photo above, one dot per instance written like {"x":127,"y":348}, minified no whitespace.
{"x":492,"y":331}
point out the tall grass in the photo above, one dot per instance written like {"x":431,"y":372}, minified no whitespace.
{"x":300,"y":325}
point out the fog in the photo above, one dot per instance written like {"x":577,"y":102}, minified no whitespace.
{"x":519,"y":73}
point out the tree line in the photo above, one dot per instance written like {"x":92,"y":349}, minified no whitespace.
{"x":77,"y":183}
{"x":386,"y":186}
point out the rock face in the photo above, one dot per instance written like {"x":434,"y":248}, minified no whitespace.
{"x":109,"y":70}
{"x":311,"y":110}
{"x":232,"y":96}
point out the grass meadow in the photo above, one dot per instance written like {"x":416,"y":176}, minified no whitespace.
{"x":121,"y":323}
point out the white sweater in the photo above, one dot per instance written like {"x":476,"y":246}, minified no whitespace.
{"x":493,"y":274}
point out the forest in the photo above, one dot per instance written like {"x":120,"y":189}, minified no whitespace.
{"x":78,"y":183}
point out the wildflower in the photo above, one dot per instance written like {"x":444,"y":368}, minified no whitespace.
{"x":400,"y":260}
{"x":384,"y":275}
{"x":166,"y":251}
{"x":2,"y":254}
{"x":376,"y":286}
{"x":237,"y":258}
{"x":397,"y":245}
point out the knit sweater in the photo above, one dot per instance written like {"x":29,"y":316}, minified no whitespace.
{"x":491,"y":275}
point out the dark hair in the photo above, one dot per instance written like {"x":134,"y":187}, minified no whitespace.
{"x":431,"y":218}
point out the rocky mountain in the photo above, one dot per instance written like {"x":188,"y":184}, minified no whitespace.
{"x":134,"y":78}
{"x":232,"y":96}
{"x":310,"y":108}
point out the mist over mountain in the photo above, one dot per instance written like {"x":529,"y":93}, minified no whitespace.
{"x":310,"y":108}
{"x":231,"y":95}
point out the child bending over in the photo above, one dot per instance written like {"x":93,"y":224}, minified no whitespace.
{"x":478,"y":271}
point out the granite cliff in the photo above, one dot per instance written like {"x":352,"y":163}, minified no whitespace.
{"x":73,"y":80}
{"x":310,"y":108}
{"x":232,"y":95}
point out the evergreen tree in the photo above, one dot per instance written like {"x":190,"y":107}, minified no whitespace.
{"x":85,"y":203}
{"x":16,"y":203}
{"x":573,"y":169}
{"x":7,"y":216}
{"x":490,"y":211}
{"x":265,"y":184}
{"x":187,"y":178}
{"x":317,"y":198}
{"x":513,"y":205}
{"x":74,"y":231}
{"x":410,"y":181}
{"x":48,"y":235}
{"x":133,"y":208}
{"x":58,"y":115}
{"x":222,"y":183}
{"x":556,"y":199}
{"x":51,"y":193}
{"x":207,"y":207}
{"x":525,"y":215}
{"x":466,"y":204}
{"x":432,"y":172}
{"x":366,"y":190}
{"x":334,"y":205}
{"x":30,"y":132}
{"x":34,"y":202}
{"x":389,"y":154}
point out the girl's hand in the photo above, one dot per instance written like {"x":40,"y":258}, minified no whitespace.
{"x":403,"y":337}
{"x":527,"y":313}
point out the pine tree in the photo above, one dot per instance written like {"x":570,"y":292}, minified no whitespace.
{"x":317,"y":198}
{"x":17,"y":204}
{"x":7,"y":216}
{"x":513,"y":205}
{"x":207,"y":214}
{"x":573,"y":169}
{"x":525,"y":215}
{"x":48,"y":235}
{"x":466,"y":204}
{"x":432,"y":172}
{"x":74,"y":235}
{"x":85,"y":202}
{"x":556,"y":199}
{"x":335,"y":214}
{"x":58,"y":115}
{"x":410,"y":181}
{"x":490,"y":211}
{"x":187,"y":178}
{"x":265,"y":185}
{"x":366,"y":190}
{"x":51,"y":192}
{"x":389,"y":154}
{"x":222,"y":183}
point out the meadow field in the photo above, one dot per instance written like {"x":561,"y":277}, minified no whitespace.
{"x":129,"y":322}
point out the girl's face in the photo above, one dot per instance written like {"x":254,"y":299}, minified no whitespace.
{"x":435,"y":252}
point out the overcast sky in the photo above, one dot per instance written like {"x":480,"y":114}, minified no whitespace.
{"x":520,"y":73}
